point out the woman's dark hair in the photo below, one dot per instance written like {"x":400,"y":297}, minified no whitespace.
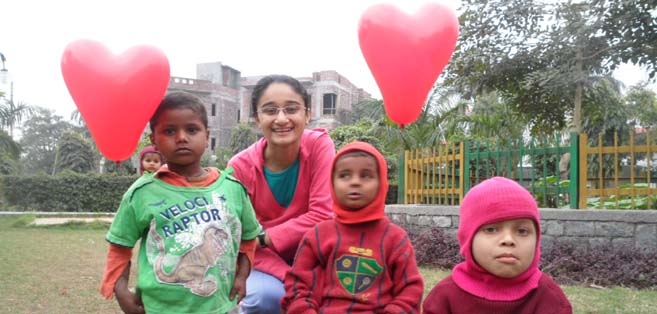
{"x":264,"y":82}
{"x":180,"y":100}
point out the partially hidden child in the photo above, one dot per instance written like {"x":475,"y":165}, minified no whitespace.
{"x":499,"y":234}
{"x":358,"y":262}
{"x":195,"y":226}
{"x":150,"y":160}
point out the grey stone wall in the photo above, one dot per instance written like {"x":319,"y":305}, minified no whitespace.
{"x":587,"y":228}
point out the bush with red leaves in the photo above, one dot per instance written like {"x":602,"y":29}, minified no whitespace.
{"x":564,"y":262}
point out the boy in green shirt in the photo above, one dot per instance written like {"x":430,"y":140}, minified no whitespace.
{"x":197,"y":226}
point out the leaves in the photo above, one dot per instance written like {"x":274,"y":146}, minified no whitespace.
{"x":535,"y":54}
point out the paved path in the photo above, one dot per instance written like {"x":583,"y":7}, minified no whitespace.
{"x":59,"y":221}
{"x":64,"y":217}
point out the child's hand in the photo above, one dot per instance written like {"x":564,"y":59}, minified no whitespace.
{"x":129,"y":302}
{"x":239,"y":289}
{"x":242,"y":272}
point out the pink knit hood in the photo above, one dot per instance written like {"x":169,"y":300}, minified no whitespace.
{"x":493,"y":200}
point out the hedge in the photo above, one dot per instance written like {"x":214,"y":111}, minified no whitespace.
{"x":65,"y":192}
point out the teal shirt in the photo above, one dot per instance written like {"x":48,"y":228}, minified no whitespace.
{"x":190,"y":239}
{"x":283,"y":184}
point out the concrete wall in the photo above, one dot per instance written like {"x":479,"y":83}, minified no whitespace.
{"x":583,"y":228}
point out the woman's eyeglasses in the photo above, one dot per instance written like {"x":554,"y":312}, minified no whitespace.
{"x":287,"y":110}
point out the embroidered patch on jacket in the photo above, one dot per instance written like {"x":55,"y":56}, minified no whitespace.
{"x":357,"y":273}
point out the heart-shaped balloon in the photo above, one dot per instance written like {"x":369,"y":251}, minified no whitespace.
{"x":115,"y":94}
{"x":406,"y":54}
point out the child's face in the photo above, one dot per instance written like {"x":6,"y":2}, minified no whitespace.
{"x":151,"y":162}
{"x":281,"y":128}
{"x":355,"y":181}
{"x":506,"y":248}
{"x":182,"y":138}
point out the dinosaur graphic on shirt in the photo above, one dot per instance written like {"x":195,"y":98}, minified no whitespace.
{"x":191,"y":269}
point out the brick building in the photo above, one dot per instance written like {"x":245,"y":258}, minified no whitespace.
{"x":227,"y":96}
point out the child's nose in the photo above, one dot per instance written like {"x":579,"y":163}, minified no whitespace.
{"x":507,"y":238}
{"x":181,"y":136}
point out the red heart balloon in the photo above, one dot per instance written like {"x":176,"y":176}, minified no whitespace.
{"x":115,"y":94}
{"x":406,"y":54}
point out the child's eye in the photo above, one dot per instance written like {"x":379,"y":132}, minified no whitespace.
{"x":523,"y":231}
{"x":192,"y":130}
{"x":343,"y":175}
{"x":489,"y":229}
{"x":169,"y":131}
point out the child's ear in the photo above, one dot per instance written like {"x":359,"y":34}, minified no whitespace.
{"x":152,"y":138}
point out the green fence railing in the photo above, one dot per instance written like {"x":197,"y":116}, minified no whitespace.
{"x":547,"y":167}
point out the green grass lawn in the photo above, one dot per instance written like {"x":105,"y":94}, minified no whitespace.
{"x":58,"y":270}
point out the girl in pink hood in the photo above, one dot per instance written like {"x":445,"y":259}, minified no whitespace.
{"x":500,"y":235}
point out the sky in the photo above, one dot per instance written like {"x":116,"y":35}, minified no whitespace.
{"x":255,"y":37}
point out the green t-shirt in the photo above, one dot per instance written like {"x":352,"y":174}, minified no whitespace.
{"x":283,"y":184}
{"x":190,"y":239}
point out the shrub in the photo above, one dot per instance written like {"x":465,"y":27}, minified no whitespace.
{"x":604,"y":266}
{"x":67,"y":191}
{"x":567,"y":264}
{"x":436,"y":248}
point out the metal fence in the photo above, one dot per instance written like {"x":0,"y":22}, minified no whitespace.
{"x":443,"y":175}
{"x":618,"y":176}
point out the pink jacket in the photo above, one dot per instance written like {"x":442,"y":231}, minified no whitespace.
{"x":311,"y":203}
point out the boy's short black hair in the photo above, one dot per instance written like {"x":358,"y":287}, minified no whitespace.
{"x":180,"y":100}
{"x":264,"y":82}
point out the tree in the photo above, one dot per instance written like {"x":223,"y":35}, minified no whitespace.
{"x":75,"y":153}
{"x":542,"y":57}
{"x":370,"y":108}
{"x":12,"y":113}
{"x":9,"y":154}
{"x":605,"y":113}
{"x":642,"y":103}
{"x":241,"y":137}
{"x":41,"y":132}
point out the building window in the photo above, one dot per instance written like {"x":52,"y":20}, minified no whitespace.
{"x":238,"y":115}
{"x":329,"y":103}
{"x":214,"y":110}
{"x":212,"y":143}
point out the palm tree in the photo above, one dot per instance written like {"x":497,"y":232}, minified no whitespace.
{"x":12,"y":113}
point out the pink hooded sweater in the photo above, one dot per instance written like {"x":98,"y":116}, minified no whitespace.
{"x":471,"y":289}
{"x":311,"y":203}
{"x":493,"y":200}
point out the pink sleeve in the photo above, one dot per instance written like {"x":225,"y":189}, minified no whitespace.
{"x":287,"y":235}
{"x":268,"y":261}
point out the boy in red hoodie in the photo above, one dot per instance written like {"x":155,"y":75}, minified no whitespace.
{"x":359,"y":262}
{"x":499,"y":234}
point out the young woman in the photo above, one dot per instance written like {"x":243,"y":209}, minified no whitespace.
{"x":287,"y":177}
